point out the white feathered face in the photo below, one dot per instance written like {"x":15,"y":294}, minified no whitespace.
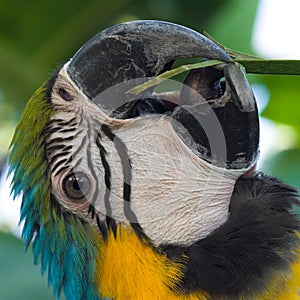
{"x":165,"y":164}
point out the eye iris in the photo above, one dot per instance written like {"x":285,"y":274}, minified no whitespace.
{"x":76,"y":186}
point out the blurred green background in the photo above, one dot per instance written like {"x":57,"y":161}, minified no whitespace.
{"x":36,"y":36}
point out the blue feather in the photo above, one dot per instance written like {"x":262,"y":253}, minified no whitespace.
{"x":63,"y":244}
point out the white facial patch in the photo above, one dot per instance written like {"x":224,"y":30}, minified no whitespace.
{"x":176,"y":196}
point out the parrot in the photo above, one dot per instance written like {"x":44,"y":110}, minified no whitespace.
{"x":152,"y":195}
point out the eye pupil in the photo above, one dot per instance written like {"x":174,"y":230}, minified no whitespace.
{"x":65,"y":95}
{"x":76,"y":186}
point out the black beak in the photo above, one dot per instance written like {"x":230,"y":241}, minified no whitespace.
{"x":136,"y":49}
{"x":219,"y":115}
{"x":223,"y":124}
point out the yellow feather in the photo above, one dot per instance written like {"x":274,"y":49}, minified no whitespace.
{"x":292,"y":289}
{"x":129,"y":269}
{"x":289,"y":289}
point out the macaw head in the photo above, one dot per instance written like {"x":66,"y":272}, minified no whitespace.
{"x":89,"y":158}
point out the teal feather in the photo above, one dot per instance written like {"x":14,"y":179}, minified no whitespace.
{"x":63,"y":244}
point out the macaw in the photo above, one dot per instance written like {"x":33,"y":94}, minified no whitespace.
{"x":155,"y":195}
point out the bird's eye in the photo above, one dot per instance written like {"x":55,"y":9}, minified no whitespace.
{"x":64,"y":94}
{"x":76,"y":186}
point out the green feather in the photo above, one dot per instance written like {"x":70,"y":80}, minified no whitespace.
{"x":62,"y":243}
{"x":27,"y":158}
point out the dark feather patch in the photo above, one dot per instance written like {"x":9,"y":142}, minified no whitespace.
{"x":257,"y":242}
{"x":51,"y":81}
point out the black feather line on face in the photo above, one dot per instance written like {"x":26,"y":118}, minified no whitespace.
{"x":258,"y":241}
{"x":127,"y":173}
{"x":111,"y":223}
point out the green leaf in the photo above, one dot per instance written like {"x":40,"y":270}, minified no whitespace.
{"x":171,"y":73}
{"x":271,"y":66}
{"x":232,"y":53}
